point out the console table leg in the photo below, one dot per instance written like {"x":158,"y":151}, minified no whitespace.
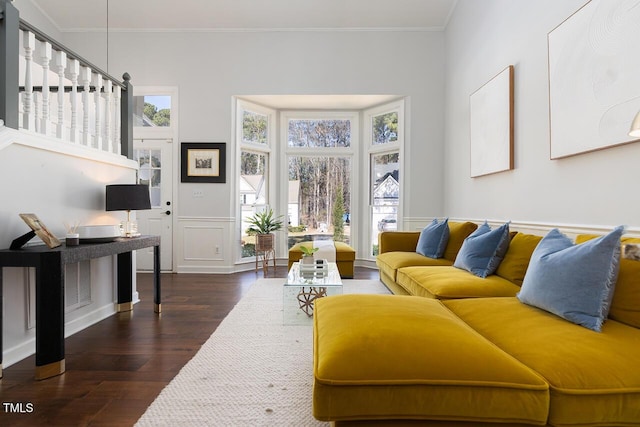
{"x":50,"y":317}
{"x":156,"y":280}
{"x":125,"y":282}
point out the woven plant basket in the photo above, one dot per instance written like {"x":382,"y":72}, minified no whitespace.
{"x":264,"y":242}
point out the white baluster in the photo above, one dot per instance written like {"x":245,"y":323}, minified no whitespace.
{"x":46,"y":59}
{"x":85,"y":78}
{"x":74,"y":71}
{"x":36,"y":111}
{"x":97,"y":96}
{"x":107,"y":110}
{"x":29,"y":42}
{"x":118,"y":98}
{"x":61,"y":64}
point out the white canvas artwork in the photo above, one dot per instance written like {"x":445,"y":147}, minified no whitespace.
{"x":594,"y":77}
{"x":491,"y":127}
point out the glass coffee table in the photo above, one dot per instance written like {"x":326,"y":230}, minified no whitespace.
{"x":302,"y":289}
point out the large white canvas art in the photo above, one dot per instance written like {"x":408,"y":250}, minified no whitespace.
{"x":594,"y":77}
{"x":491,"y":126}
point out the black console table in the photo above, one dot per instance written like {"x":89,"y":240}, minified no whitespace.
{"x":50,"y":266}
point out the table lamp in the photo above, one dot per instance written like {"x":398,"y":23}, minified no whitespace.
{"x":128,"y":197}
{"x":635,"y":126}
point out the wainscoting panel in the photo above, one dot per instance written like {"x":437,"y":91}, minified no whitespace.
{"x":204,"y":246}
{"x":203,"y":243}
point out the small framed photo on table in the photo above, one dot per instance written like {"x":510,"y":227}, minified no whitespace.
{"x":203,"y":162}
{"x":41,"y":230}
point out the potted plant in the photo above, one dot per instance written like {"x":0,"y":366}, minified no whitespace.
{"x":262,"y":225}
{"x":307,"y":254}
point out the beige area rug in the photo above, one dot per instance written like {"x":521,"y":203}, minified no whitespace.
{"x":253,"y":370}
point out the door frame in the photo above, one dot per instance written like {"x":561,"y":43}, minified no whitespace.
{"x":170,"y":132}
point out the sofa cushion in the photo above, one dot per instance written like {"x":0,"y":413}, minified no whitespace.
{"x":385,"y":356}
{"x":390,"y":262}
{"x":514,"y":265}
{"x":344,"y":252}
{"x":450,"y":282}
{"x":397,"y":241}
{"x":575,"y":282}
{"x":482,"y":252}
{"x":594,"y":377}
{"x":433,"y":239}
{"x":458,"y":231}
{"x":625,"y":306}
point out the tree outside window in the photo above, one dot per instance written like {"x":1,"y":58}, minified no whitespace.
{"x":254,"y":127}
{"x":152,"y":110}
{"x":319,"y":185}
{"x":385,"y":128}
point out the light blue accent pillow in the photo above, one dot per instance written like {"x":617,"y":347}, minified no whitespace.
{"x":575,"y":282}
{"x":483,"y":250}
{"x":433,"y":239}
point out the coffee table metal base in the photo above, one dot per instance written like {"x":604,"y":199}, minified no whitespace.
{"x":302,"y":290}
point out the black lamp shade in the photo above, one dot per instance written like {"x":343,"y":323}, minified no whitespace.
{"x":128,"y":197}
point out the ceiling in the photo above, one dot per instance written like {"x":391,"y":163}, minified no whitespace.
{"x":250,"y":15}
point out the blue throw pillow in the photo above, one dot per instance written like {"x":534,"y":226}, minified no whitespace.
{"x":575,"y":282}
{"x":483,"y":250}
{"x":433,"y":239}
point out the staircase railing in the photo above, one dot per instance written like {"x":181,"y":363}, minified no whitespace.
{"x":48,"y":89}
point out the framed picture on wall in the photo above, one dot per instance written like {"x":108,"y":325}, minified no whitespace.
{"x":203,"y":162}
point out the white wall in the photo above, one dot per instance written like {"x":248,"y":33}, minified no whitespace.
{"x":210,"y":68}
{"x":59,"y":182}
{"x":97,"y":55}
{"x":597,"y":188}
{"x":34,"y":16}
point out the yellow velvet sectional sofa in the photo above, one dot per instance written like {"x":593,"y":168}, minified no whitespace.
{"x":452,"y":350}
{"x":401,"y":268}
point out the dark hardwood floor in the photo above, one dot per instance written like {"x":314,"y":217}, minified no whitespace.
{"x":117,"y":367}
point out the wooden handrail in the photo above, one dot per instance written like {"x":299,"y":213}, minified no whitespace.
{"x":70,"y":54}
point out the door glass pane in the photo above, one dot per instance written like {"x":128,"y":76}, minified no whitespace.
{"x":319,"y":199}
{"x":150,"y":173}
{"x":385,"y":128}
{"x":152,"y":110}
{"x":253,"y":194}
{"x":319,"y":133}
{"x":385,"y":189}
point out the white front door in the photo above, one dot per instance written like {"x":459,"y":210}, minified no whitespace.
{"x":155,"y":157}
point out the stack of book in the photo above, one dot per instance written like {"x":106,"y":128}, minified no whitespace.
{"x":319,"y":268}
